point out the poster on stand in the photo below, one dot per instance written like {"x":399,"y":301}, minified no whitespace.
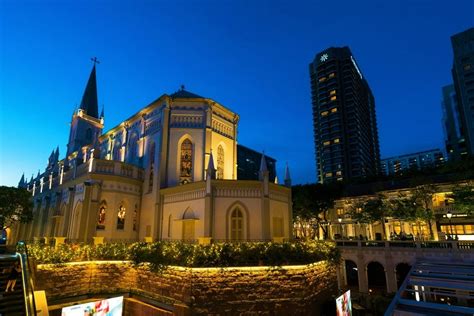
{"x":344,"y":305}
{"x":106,"y":307}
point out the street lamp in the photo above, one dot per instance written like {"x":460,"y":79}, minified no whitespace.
{"x":339,"y":219}
{"x":449,"y":215}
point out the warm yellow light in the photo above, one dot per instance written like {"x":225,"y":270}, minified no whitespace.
{"x":333,"y":98}
{"x":333,"y":110}
{"x":324,"y":113}
{"x":336,"y":140}
{"x":326,"y":143}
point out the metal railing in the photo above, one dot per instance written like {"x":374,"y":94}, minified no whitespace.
{"x":27,"y":280}
{"x":455,"y":244}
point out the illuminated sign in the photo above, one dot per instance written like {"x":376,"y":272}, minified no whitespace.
{"x":344,"y":305}
{"x":107,"y":307}
{"x":357,"y":68}
{"x":324,"y":57}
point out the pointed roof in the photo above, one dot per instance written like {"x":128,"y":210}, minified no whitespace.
{"x":210,"y":165}
{"x":22,"y":181}
{"x":287,"y":173}
{"x":89,"y":98}
{"x":183,"y":94}
{"x":263,"y":163}
{"x":102,"y":112}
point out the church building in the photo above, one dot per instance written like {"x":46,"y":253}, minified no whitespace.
{"x":168,"y":172}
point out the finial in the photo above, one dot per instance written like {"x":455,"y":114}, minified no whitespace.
{"x":95,"y":60}
{"x":182,"y":87}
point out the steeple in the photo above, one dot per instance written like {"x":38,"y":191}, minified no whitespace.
{"x":263,"y":168}
{"x":211,"y":170}
{"x":102,"y":112}
{"x":21,"y":184}
{"x":89,"y":102}
{"x":287,"y":176}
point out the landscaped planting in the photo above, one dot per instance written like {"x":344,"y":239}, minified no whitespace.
{"x":162,"y":253}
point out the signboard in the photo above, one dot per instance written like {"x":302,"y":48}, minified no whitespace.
{"x":107,"y":307}
{"x":344,"y":305}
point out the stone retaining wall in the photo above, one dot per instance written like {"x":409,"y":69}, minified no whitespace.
{"x":295,"y":290}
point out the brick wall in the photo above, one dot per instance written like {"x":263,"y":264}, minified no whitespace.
{"x":198,"y":291}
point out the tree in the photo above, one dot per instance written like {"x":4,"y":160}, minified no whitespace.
{"x":402,"y":208}
{"x":16,"y":205}
{"x":311,"y":203}
{"x":422,"y":197}
{"x":463,"y":198}
{"x":371,"y":211}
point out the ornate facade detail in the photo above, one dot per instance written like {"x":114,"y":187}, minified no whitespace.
{"x":185,"y":196}
{"x":238,"y":192}
{"x":222,"y":128}
{"x":187,"y":120}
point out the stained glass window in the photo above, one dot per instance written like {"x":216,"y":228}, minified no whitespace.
{"x":101,"y":218}
{"x":220,"y":162}
{"x":121,"y":217}
{"x":186,"y":169}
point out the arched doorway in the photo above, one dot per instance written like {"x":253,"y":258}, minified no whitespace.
{"x":376,"y":277}
{"x":401,"y":271}
{"x":352,"y":276}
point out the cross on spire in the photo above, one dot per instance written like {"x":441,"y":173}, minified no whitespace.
{"x":95,"y":61}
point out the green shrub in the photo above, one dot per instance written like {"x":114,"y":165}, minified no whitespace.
{"x":164,"y":253}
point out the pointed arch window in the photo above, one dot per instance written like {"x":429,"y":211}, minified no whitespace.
{"x":121,"y":217}
{"x":220,"y":162}
{"x":186,"y":162}
{"x":101,"y":218}
{"x":152,"y":167}
{"x":236,"y":225}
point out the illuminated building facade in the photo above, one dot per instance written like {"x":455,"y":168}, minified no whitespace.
{"x":463,"y":78}
{"x":344,"y":121}
{"x":167,"y":172}
{"x":416,"y":161}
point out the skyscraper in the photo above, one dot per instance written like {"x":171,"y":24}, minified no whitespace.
{"x":344,"y":122}
{"x":463,"y":78}
{"x":452,"y":125}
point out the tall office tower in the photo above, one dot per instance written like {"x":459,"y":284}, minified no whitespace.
{"x":453,"y":131}
{"x":463,"y":77}
{"x":345,"y":127}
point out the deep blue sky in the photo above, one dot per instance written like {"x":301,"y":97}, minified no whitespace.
{"x":251,"y":56}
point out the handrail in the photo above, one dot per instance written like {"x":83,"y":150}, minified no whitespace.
{"x":28,"y":289}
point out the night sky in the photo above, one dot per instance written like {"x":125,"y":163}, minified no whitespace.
{"x":251,"y":56}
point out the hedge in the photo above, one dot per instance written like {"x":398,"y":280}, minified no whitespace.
{"x":163,"y":253}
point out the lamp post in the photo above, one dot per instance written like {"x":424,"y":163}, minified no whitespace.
{"x":449,"y":215}
{"x":339,"y":219}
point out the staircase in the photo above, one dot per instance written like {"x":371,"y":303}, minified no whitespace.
{"x":436,"y":289}
{"x":11,"y":303}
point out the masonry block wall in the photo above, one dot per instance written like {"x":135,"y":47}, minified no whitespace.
{"x":196,"y":291}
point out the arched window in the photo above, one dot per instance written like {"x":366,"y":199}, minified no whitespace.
{"x":152,"y":167}
{"x":220,"y":162}
{"x":101,"y":218}
{"x":121,"y":217}
{"x":132,"y":149}
{"x":236,"y":225}
{"x":135,"y":215}
{"x":117,"y":154}
{"x":186,"y":166}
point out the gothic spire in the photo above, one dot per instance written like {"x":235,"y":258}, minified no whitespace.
{"x":89,"y":99}
{"x":102,"y":112}
{"x":287,"y":176}
{"x":21,"y":184}
{"x":263,"y":167}
{"x":211,"y":170}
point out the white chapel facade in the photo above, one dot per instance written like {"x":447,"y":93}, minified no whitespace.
{"x":169,"y":172}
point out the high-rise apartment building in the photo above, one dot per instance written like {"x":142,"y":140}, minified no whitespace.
{"x":463,"y":78}
{"x":454,"y":139}
{"x":415,"y":161}
{"x":344,"y":121}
